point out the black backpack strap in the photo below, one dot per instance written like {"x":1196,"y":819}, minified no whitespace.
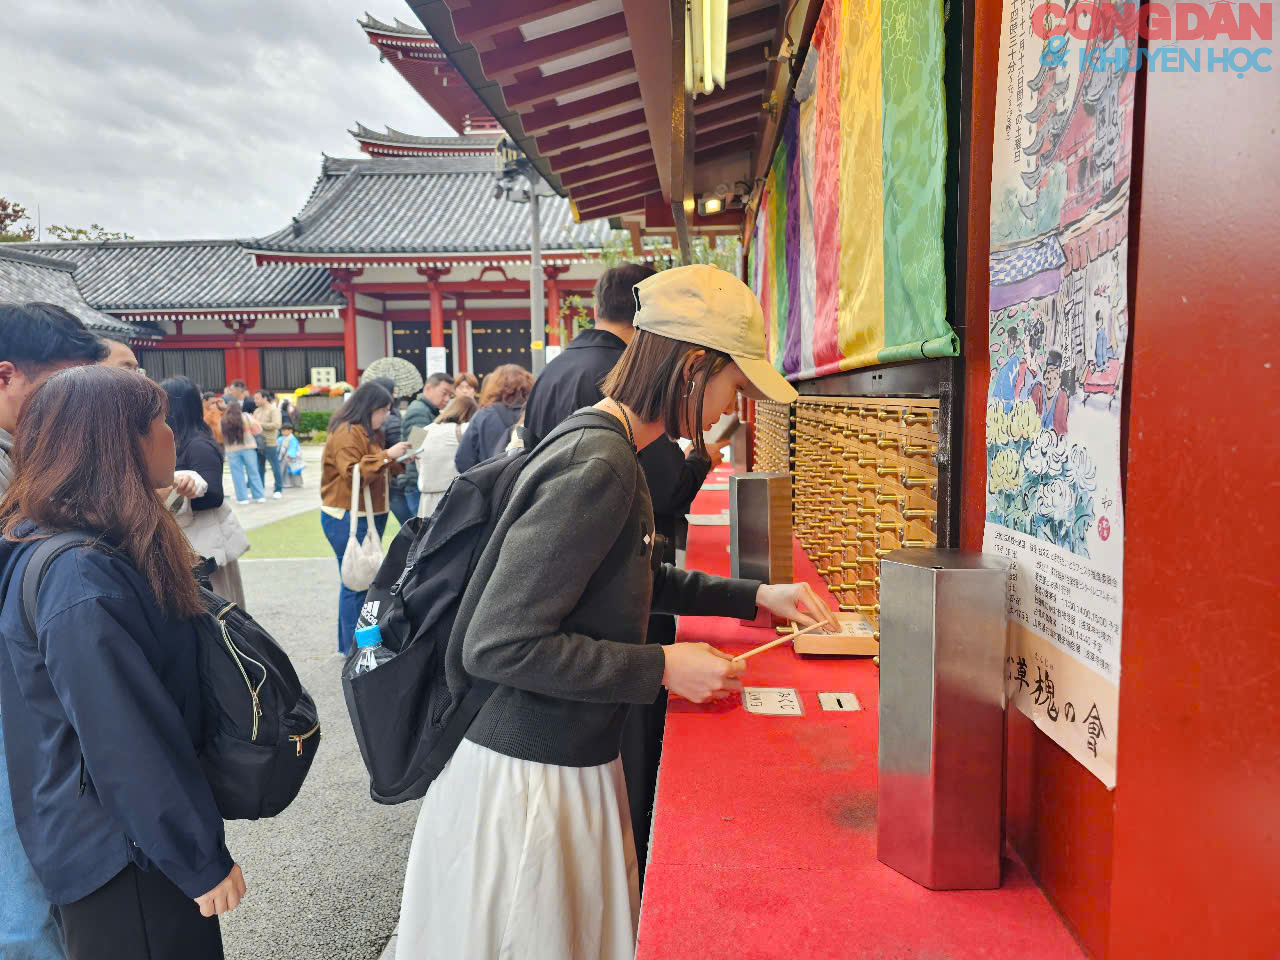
{"x":49,"y":549}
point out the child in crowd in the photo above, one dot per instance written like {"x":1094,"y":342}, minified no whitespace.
{"x":290,"y":455}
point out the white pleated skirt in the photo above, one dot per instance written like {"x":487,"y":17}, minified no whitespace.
{"x":521,"y":861}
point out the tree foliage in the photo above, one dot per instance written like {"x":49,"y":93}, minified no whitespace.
{"x":11,"y":215}
{"x":617,"y":248}
{"x":95,"y":232}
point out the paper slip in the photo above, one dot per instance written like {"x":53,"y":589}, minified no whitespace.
{"x":708,"y":519}
{"x":772,"y":701}
{"x":715,"y":486}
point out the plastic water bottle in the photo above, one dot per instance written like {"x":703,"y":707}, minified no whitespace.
{"x":370,"y":651}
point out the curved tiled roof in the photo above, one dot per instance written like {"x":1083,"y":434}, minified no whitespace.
{"x":373,"y":24}
{"x":422,"y":205}
{"x":124,"y":275}
{"x":25,"y":277}
{"x":397,"y":138}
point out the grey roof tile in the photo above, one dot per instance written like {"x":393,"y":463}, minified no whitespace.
{"x":398,"y":138}
{"x":185,"y":275}
{"x":422,"y":205}
{"x":25,"y":277}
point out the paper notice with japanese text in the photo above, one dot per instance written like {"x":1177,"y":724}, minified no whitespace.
{"x":1058,"y":331}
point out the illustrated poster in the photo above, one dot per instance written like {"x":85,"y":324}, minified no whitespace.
{"x":1058,"y":331}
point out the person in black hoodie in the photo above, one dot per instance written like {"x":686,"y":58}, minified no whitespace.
{"x":502,"y":400}
{"x":569,"y":383}
{"x":102,"y":707}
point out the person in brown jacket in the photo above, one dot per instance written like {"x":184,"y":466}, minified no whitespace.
{"x":355,"y":437}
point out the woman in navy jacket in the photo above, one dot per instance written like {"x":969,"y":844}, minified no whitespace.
{"x":102,"y":705}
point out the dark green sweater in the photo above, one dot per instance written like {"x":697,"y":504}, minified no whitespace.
{"x":558,"y":607}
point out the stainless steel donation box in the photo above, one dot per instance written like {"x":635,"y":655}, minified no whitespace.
{"x":760,"y":527}
{"x":942,"y":643}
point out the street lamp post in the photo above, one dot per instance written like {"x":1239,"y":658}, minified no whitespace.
{"x":512,"y":163}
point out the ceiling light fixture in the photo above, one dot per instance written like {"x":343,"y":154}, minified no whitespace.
{"x":706,"y":41}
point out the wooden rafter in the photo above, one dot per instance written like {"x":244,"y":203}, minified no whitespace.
{"x":478,"y":21}
{"x":573,"y":159}
{"x":724,"y":149}
{"x":525,"y":95}
{"x":542,"y":119}
{"x":743,"y":129}
{"x":752,"y":26}
{"x":586,"y":209}
{"x":749,"y":87}
{"x":587,"y":191}
{"x":732,"y":113}
{"x":503,"y":63}
{"x":633,"y":205}
{"x":566,"y":137}
{"x":630,"y":161}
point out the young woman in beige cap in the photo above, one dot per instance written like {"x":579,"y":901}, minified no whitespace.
{"x":523,"y":847}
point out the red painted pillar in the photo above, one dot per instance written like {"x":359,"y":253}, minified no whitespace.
{"x":462,"y":362}
{"x":344,"y":283}
{"x":231,"y":365}
{"x":351,"y":373}
{"x":437,"y":314}
{"x":554,"y":323}
{"x":433,"y":275}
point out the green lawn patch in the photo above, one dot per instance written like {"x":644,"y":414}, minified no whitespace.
{"x":299,"y":536}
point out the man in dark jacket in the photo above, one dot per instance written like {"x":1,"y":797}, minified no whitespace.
{"x":422,"y":412}
{"x":570,"y":382}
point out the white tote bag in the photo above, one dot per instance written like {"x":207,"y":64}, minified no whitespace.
{"x":360,"y":561}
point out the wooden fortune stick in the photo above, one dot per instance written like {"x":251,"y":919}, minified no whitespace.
{"x":783,"y":639}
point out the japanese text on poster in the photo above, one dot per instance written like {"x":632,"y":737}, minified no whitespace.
{"x":1058,"y":331}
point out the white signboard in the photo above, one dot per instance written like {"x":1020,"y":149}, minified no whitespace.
{"x":437,"y":360}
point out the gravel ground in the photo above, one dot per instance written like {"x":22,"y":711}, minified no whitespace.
{"x":325,"y":876}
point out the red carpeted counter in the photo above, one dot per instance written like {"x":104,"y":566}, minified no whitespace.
{"x":764,"y":831}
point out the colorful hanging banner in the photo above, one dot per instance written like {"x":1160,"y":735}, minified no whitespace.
{"x":847,"y":254}
{"x":1058,"y":329}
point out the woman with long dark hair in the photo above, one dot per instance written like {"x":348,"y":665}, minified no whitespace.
{"x":238,"y":432}
{"x":523,"y":846}
{"x":207,"y":520}
{"x":102,"y":708}
{"x":355,"y":437}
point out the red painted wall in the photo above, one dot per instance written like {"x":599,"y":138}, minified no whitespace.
{"x":1058,"y":815}
{"x":1183,"y":858}
{"x":1197,"y":823}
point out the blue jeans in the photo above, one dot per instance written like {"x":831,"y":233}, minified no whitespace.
{"x":27,"y":929}
{"x":337,"y":532}
{"x":404,"y":502}
{"x":273,"y":458}
{"x":244,"y":474}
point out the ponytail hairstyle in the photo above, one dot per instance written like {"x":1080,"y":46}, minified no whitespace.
{"x":90,"y":473}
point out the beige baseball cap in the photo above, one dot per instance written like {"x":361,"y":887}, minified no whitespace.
{"x":708,"y":306}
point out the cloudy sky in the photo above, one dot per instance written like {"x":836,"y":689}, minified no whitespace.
{"x":178,"y":119}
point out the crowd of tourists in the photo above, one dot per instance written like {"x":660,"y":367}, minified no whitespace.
{"x":531,"y":840}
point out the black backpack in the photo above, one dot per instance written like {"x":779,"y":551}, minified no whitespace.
{"x":407,"y":721}
{"x":261,"y":730}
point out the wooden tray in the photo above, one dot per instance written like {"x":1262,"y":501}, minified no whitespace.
{"x":856,"y":640}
